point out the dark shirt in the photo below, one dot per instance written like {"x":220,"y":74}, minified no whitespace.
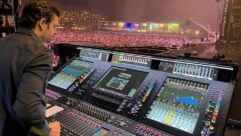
{"x":25,"y":65}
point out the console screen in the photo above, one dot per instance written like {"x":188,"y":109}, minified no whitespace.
{"x":70,"y":73}
{"x":178,"y":103}
{"x":121,"y":80}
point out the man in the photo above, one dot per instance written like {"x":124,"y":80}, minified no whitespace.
{"x":25,"y":65}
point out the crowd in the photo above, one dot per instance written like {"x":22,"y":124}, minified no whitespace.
{"x":119,"y":39}
{"x":80,"y":20}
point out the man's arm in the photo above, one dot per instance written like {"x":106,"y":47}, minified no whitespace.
{"x":29,"y":104}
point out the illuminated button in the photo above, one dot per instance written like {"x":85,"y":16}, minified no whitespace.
{"x":211,"y":128}
{"x":207,"y":123}
{"x":214,"y":118}
{"x":215,"y":113}
{"x":207,"y":110}
{"x":203,"y":132}
{"x":213,"y":121}
{"x":209,"y":104}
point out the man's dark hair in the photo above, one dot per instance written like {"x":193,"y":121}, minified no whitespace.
{"x":35,"y":10}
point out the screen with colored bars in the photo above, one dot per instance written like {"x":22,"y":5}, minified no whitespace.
{"x":70,"y":73}
{"x":178,"y":103}
{"x":121,"y":80}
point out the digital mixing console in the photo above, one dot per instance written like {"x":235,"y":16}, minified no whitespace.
{"x":106,"y":93}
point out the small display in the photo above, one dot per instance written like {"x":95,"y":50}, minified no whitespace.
{"x":90,"y":54}
{"x":132,"y":60}
{"x":102,"y":132}
{"x":121,"y":80}
{"x":194,"y":70}
{"x":178,"y":103}
{"x":166,"y":66}
{"x":70,"y":73}
{"x":94,"y":54}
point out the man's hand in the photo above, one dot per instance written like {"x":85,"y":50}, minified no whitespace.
{"x":55,"y":128}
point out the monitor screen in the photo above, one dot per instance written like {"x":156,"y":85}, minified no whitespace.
{"x":121,"y":80}
{"x":178,"y":103}
{"x":70,"y":73}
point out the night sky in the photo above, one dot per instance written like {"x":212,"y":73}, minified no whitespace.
{"x":148,"y":10}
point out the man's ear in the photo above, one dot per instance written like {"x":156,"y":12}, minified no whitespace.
{"x":42,"y":23}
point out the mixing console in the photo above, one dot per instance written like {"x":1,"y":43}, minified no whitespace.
{"x":101,"y":93}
